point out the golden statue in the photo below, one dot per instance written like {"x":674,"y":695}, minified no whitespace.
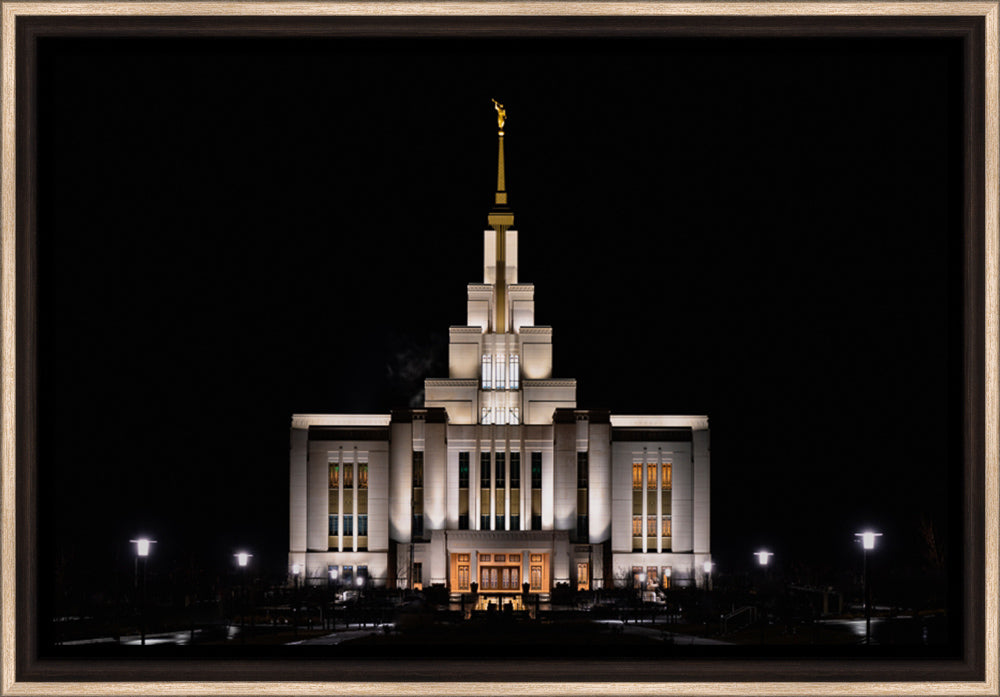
{"x":501,"y":114}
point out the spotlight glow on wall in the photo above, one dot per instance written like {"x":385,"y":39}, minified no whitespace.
{"x":763,"y":556}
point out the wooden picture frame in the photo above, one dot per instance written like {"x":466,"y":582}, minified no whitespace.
{"x":975,"y":23}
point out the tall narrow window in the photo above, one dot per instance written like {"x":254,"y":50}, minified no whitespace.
{"x":418,"y":469}
{"x":515,"y":372}
{"x":651,"y":477}
{"x":363,"y":475}
{"x":463,"y":470}
{"x":536,"y":491}
{"x":463,"y":491}
{"x":362,"y":525}
{"x":651,"y":527}
{"x":582,"y":470}
{"x":668,"y":479}
{"x":417,"y":525}
{"x":667,"y":530}
{"x":499,"y":372}
{"x":484,"y":470}
{"x":333,"y":526}
{"x":487,"y":372}
{"x":348,"y":526}
{"x":334,"y":475}
{"x":348,"y":476}
{"x":636,"y":475}
{"x":515,"y":470}
{"x":501,"y":470}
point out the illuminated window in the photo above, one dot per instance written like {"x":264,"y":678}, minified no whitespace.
{"x":484,"y":557}
{"x":651,"y":477}
{"x":515,"y":416}
{"x":487,"y":372}
{"x":652,"y":581}
{"x":463,"y":577}
{"x":651,"y":526}
{"x":668,"y":478}
{"x":536,"y":578}
{"x":363,"y":475}
{"x":667,"y":571}
{"x":637,"y":526}
{"x":486,"y":415}
{"x":500,"y":557}
{"x":536,"y":557}
{"x":514,"y":557}
{"x":666,"y":526}
{"x":349,"y":477}
{"x":499,"y":372}
{"x":334,"y":475}
{"x":514,"y":372}
{"x":636,"y":475}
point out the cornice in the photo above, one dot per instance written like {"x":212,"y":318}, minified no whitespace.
{"x":697,"y":423}
{"x":307,"y":420}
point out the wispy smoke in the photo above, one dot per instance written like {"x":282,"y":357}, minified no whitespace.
{"x":415,"y":360}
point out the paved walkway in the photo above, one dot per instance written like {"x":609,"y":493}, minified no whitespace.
{"x":651,"y":633}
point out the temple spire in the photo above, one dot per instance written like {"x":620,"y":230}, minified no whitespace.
{"x":500,"y":219}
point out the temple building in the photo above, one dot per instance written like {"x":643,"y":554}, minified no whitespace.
{"x":500,"y":480}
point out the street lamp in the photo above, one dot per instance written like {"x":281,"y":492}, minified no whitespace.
{"x":867,"y":543}
{"x":707,"y":567}
{"x":242,"y":559}
{"x":295,"y":599}
{"x":762,"y":559}
{"x":142,"y":546}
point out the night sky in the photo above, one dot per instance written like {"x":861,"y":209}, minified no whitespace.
{"x":232,"y":231}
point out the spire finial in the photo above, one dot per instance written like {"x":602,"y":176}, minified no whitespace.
{"x":501,"y":115}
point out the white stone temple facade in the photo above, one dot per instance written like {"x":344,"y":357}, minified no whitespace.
{"x":500,"y":480}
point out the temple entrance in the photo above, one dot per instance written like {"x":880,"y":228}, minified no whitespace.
{"x":500,"y":578}
{"x":499,"y":573}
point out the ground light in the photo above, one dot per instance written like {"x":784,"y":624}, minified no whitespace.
{"x":867,"y":543}
{"x":142,"y":547}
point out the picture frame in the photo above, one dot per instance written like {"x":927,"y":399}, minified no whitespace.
{"x":975,"y":22}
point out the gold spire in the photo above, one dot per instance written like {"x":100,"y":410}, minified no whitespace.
{"x":501,"y":215}
{"x":500,"y":218}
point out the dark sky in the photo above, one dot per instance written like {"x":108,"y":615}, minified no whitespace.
{"x":233,"y":231}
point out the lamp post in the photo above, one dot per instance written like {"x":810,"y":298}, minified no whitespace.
{"x":707,"y":568}
{"x":667,"y":572}
{"x":242,"y":559}
{"x":332,"y":585}
{"x":867,"y":543}
{"x":762,"y":559}
{"x":142,"y":546}
{"x":295,"y":599}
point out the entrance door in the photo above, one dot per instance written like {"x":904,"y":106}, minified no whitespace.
{"x":583,"y":576}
